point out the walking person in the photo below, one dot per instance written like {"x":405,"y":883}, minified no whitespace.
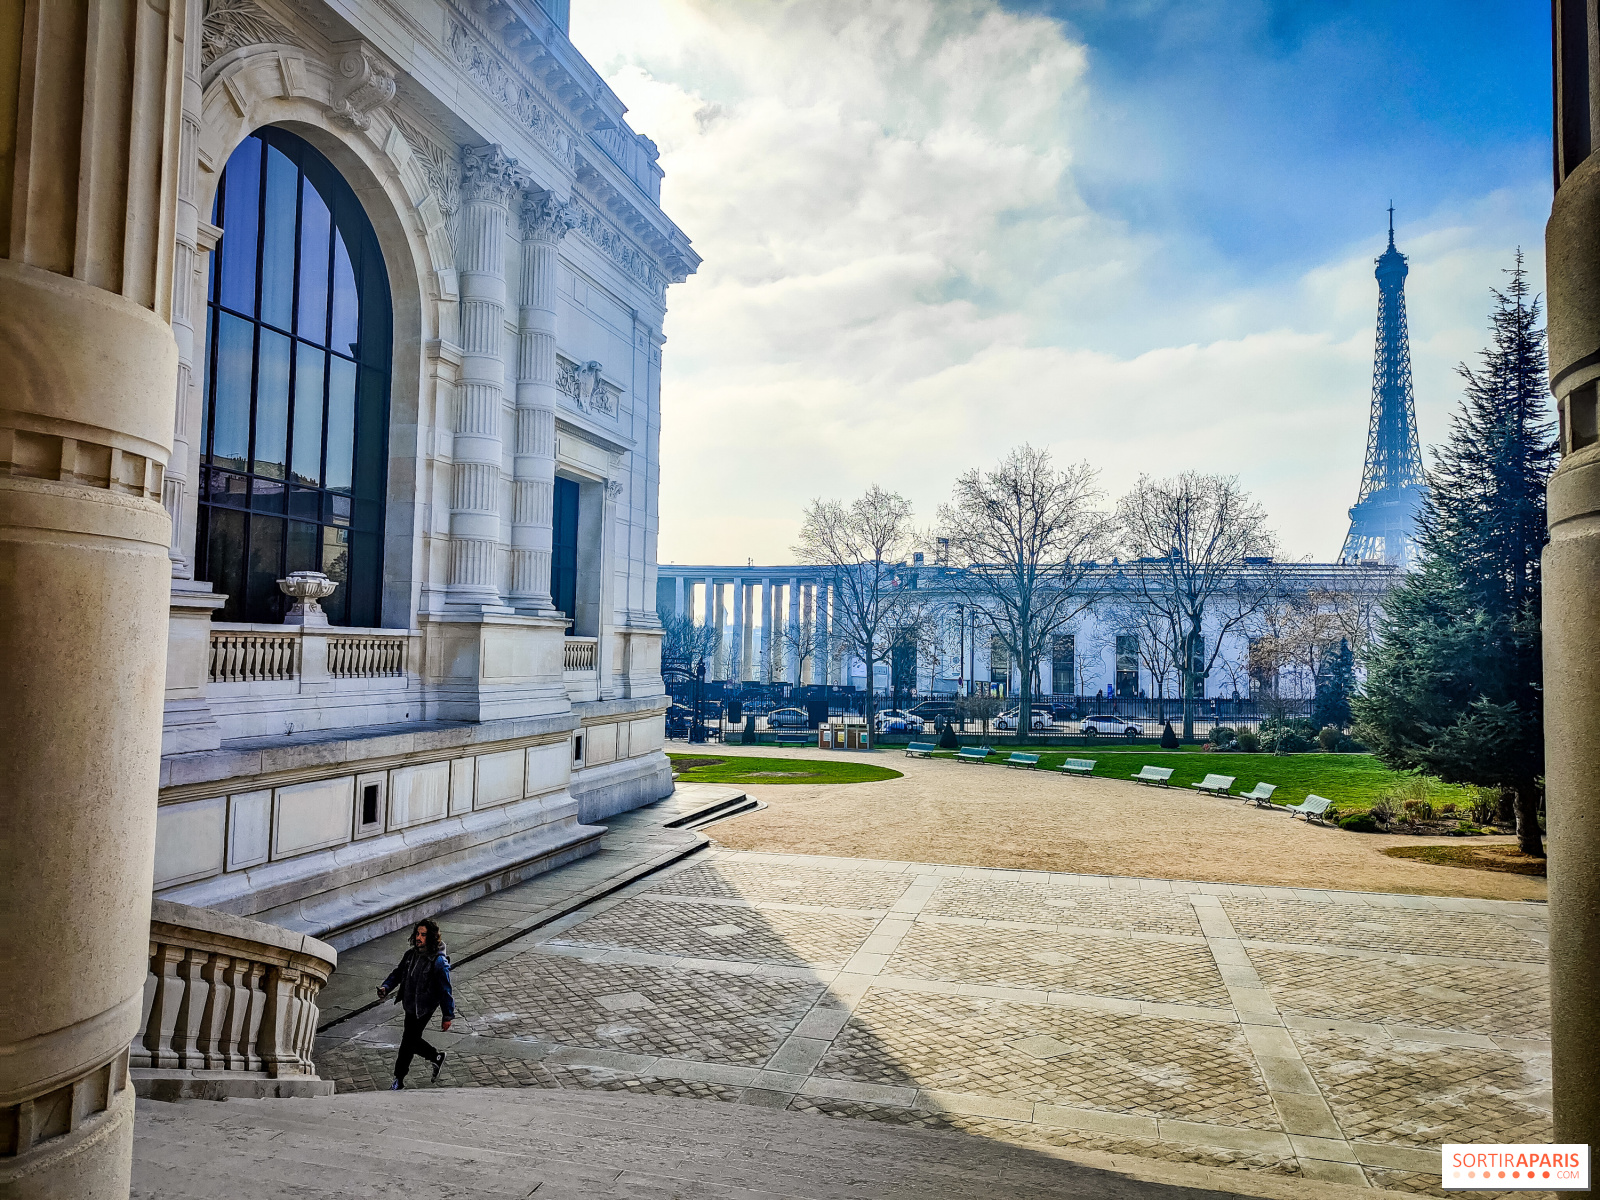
{"x":423,"y":980}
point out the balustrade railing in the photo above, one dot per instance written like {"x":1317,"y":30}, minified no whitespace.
{"x":580,"y":654}
{"x":366,"y":657}
{"x":229,"y":1005}
{"x":252,"y":657}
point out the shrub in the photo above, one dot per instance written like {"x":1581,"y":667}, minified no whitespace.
{"x":1169,"y":740}
{"x":1485,"y":804}
{"x":1248,"y":742}
{"x":948,"y":739}
{"x":1348,"y":745}
{"x":1223,"y":735}
{"x":1328,"y":739}
{"x":1419,"y":809}
{"x":1448,"y":808}
{"x":1384,"y":810}
{"x":1360,"y":823}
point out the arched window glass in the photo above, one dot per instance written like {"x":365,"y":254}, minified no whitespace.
{"x":298,"y":336}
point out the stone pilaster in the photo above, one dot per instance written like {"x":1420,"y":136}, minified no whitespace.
{"x":489,"y":182}
{"x":88,"y":155}
{"x":545,"y":221}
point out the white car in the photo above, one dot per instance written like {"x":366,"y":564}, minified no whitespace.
{"x":1038,"y":719}
{"x":1095,"y":725}
{"x":893,"y":720}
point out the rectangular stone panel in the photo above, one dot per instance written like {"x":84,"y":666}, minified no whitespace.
{"x":646,"y":734}
{"x":418,"y":794}
{"x":189,"y":840}
{"x":499,"y":778}
{"x":548,"y":768}
{"x":313,"y":816}
{"x":462,"y":771}
{"x":600,"y":744}
{"x":249,"y":829}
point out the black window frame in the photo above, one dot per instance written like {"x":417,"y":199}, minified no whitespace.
{"x":252,"y":525}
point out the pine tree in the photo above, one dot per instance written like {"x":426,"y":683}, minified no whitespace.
{"x":1454,"y":686}
{"x":1335,"y":686}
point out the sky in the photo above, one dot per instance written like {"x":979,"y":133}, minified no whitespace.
{"x":1140,"y":233}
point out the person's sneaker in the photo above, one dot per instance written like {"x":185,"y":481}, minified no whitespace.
{"x":397,"y":1086}
{"x":437,"y":1063}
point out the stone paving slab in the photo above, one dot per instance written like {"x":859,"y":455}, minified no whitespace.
{"x":1326,"y":1039}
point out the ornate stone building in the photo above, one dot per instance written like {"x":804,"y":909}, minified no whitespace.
{"x":333,"y":345}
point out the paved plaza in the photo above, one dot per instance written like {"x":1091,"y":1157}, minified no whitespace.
{"x":1334,"y":1038}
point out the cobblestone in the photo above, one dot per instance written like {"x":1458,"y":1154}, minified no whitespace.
{"x":786,"y":885}
{"x":648,"y":1010}
{"x":714,"y":931}
{"x":1176,"y":972}
{"x":1415,"y":1094}
{"x":1421,"y":1184}
{"x":1403,"y":930}
{"x":1141,"y":1065}
{"x":1046,"y":904}
{"x":1473,"y":999}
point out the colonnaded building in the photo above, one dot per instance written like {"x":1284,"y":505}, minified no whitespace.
{"x":333,"y":361}
{"x":781,"y":624}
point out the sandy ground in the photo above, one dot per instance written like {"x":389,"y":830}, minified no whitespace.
{"x":989,"y":816}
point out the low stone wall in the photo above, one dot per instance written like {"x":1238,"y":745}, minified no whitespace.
{"x":230,"y":1008}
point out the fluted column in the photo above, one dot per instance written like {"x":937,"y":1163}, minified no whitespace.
{"x":88,"y":155}
{"x":545,"y":221}
{"x":488,"y":184}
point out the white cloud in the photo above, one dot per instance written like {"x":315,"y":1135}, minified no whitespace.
{"x":901,"y":279}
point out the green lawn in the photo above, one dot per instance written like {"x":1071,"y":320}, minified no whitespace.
{"x":710,"y":768}
{"x":1351,"y":781}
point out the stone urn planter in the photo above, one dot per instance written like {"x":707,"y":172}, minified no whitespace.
{"x":307,"y":587}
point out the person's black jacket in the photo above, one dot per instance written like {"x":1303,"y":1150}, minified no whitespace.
{"x":423,"y":986}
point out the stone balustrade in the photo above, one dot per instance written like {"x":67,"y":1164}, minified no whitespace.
{"x":239,"y":657}
{"x":580,"y":654}
{"x":367,"y":656}
{"x":230,"y":1007}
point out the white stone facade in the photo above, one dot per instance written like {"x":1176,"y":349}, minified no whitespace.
{"x":342,"y":780}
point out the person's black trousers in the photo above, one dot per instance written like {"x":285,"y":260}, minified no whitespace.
{"x":411,"y":1043}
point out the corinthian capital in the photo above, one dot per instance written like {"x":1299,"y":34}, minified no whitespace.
{"x":487,"y":174}
{"x":545,"y":217}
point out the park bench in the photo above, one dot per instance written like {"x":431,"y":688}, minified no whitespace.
{"x":1078,"y":766}
{"x":921,"y":749}
{"x":1154,"y":775}
{"x":1312,"y":808}
{"x":1216,"y":785}
{"x":795,"y":739}
{"x":1261,"y":794}
{"x":1022,"y":760}
{"x":973,"y":754}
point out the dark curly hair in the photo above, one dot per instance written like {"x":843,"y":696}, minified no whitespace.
{"x":434,"y":941}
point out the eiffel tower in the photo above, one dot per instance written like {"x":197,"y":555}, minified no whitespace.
{"x":1383,"y":519}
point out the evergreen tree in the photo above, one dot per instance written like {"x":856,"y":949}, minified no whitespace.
{"x":1335,"y":686}
{"x":1454,"y":685}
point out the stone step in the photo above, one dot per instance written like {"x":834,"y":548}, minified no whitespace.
{"x":497,"y":1143}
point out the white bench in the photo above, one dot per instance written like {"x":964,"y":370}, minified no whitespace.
{"x":1078,"y":766}
{"x":1154,"y":776}
{"x":1216,"y":785}
{"x":1261,"y":794}
{"x":1311,"y":808}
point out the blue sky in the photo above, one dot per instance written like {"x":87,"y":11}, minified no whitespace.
{"x":1139,"y":232}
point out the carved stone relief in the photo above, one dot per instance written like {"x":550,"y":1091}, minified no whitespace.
{"x":582,"y":384}
{"x":481,"y":63}
{"x":229,"y":24}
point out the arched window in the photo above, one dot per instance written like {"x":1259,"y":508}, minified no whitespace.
{"x":298,"y":333}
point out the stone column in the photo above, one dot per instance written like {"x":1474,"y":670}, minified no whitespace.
{"x":678,"y":596}
{"x":738,"y":652}
{"x":1571,"y":618}
{"x":545,"y":221}
{"x":763,"y":640}
{"x":187,"y":295}
{"x":488,"y":182}
{"x":88,"y":155}
{"x":791,"y":659}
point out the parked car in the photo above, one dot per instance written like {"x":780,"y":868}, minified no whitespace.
{"x":894,"y":720}
{"x":1038,"y":719}
{"x":787,"y":718}
{"x":932,"y":710}
{"x":1106,"y":723}
{"x":1063,"y":712}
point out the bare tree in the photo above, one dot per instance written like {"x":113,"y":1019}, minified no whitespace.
{"x":1201,"y":557}
{"x":1021,"y":538}
{"x":865,"y":545}
{"x":688,"y":642}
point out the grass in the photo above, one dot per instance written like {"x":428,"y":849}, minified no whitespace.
{"x":707,"y":768}
{"x":1351,"y":781}
{"x":1479,"y":858}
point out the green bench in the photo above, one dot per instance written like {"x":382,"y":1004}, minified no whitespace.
{"x":1311,"y":808}
{"x":921,"y":749}
{"x":1022,"y":760}
{"x":1078,"y":766}
{"x":1154,"y":776}
{"x":973,"y":754}
{"x":1215,"y":785}
{"x":1261,"y":794}
{"x":794,"y":739}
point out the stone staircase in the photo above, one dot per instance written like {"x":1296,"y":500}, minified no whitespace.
{"x":494,"y":1144}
